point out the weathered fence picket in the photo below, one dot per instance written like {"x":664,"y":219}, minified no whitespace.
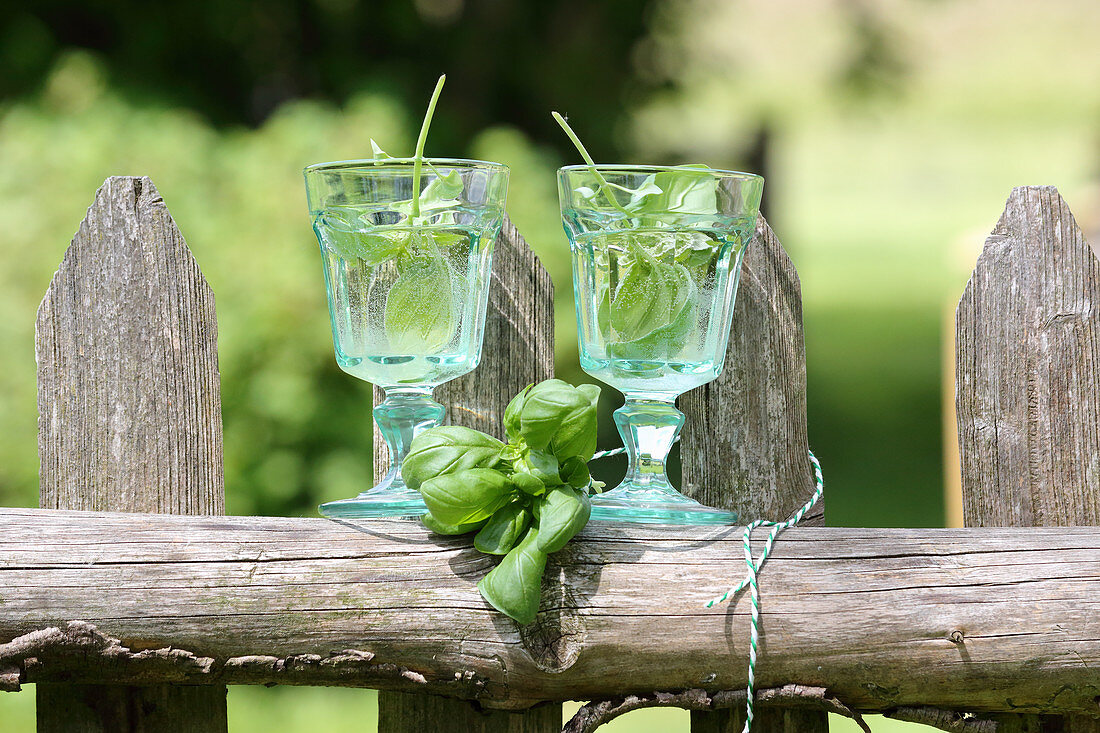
{"x":745,"y":442}
{"x":1028,"y":385}
{"x":130,"y":420}
{"x":518,"y":350}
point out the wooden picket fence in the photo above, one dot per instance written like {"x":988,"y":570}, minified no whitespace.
{"x":129,"y":618}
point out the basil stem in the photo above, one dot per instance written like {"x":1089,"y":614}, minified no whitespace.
{"x":418,"y":156}
{"x":604,"y":185}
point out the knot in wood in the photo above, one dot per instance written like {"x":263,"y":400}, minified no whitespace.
{"x":555,"y":639}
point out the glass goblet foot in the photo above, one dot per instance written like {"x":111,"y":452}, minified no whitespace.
{"x":401,"y":417}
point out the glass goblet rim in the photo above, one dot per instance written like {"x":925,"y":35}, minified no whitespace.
{"x":642,"y":169}
{"x":366,"y":165}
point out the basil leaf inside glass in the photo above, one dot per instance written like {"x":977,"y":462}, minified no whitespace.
{"x":420,"y":314}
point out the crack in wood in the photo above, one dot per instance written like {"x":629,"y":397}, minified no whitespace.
{"x":81,"y":650}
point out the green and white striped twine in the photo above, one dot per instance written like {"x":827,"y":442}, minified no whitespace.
{"x":750,"y":580}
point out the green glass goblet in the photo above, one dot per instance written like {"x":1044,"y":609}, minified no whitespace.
{"x":656,"y":259}
{"x":407,"y":252}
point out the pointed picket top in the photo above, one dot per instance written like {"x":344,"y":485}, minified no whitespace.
{"x":1028,"y":370}
{"x":745,"y":442}
{"x":126,"y":343}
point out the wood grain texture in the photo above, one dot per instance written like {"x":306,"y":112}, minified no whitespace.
{"x":1011,"y":723}
{"x":129,"y":402}
{"x":129,"y":406}
{"x":422,"y":713}
{"x":589,"y":718}
{"x":518,"y":349}
{"x":1028,"y":370}
{"x":868,"y":614}
{"x":745,"y":443}
{"x":1028,"y":384}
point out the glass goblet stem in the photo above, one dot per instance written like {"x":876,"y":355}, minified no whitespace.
{"x":648,"y":428}
{"x":405,"y":413}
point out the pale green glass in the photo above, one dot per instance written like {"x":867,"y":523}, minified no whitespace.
{"x":654,"y":288}
{"x":406,"y":292}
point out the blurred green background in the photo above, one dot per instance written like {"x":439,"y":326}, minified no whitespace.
{"x":889,"y":133}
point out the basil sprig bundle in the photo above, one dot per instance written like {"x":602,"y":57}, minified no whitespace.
{"x":525,"y":498}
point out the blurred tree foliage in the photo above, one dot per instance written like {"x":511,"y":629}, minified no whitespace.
{"x":235,"y":62}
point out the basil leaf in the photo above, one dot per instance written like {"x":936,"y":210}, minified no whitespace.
{"x":548,"y":406}
{"x":577,"y":435}
{"x":374,"y":248}
{"x":689,"y":193}
{"x":377,"y":152}
{"x":441,"y":193}
{"x":588,"y":194}
{"x":648,"y":186}
{"x":466,"y":496}
{"x":591,"y":392}
{"x":450,"y":529}
{"x":447,"y":449}
{"x":513,"y":411}
{"x":420,"y":315}
{"x":688,"y":189}
{"x":563,"y":512}
{"x":342,"y":230}
{"x":574,"y":471}
{"x":514,"y":587}
{"x":541,"y":465}
{"x":662,"y":344}
{"x":698,"y":255}
{"x":503,"y":529}
{"x":528,"y":483}
{"x":444,"y":187}
{"x":651,"y":296}
{"x":445,"y":238}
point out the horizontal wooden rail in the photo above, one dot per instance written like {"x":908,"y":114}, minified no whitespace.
{"x":978,"y":619}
